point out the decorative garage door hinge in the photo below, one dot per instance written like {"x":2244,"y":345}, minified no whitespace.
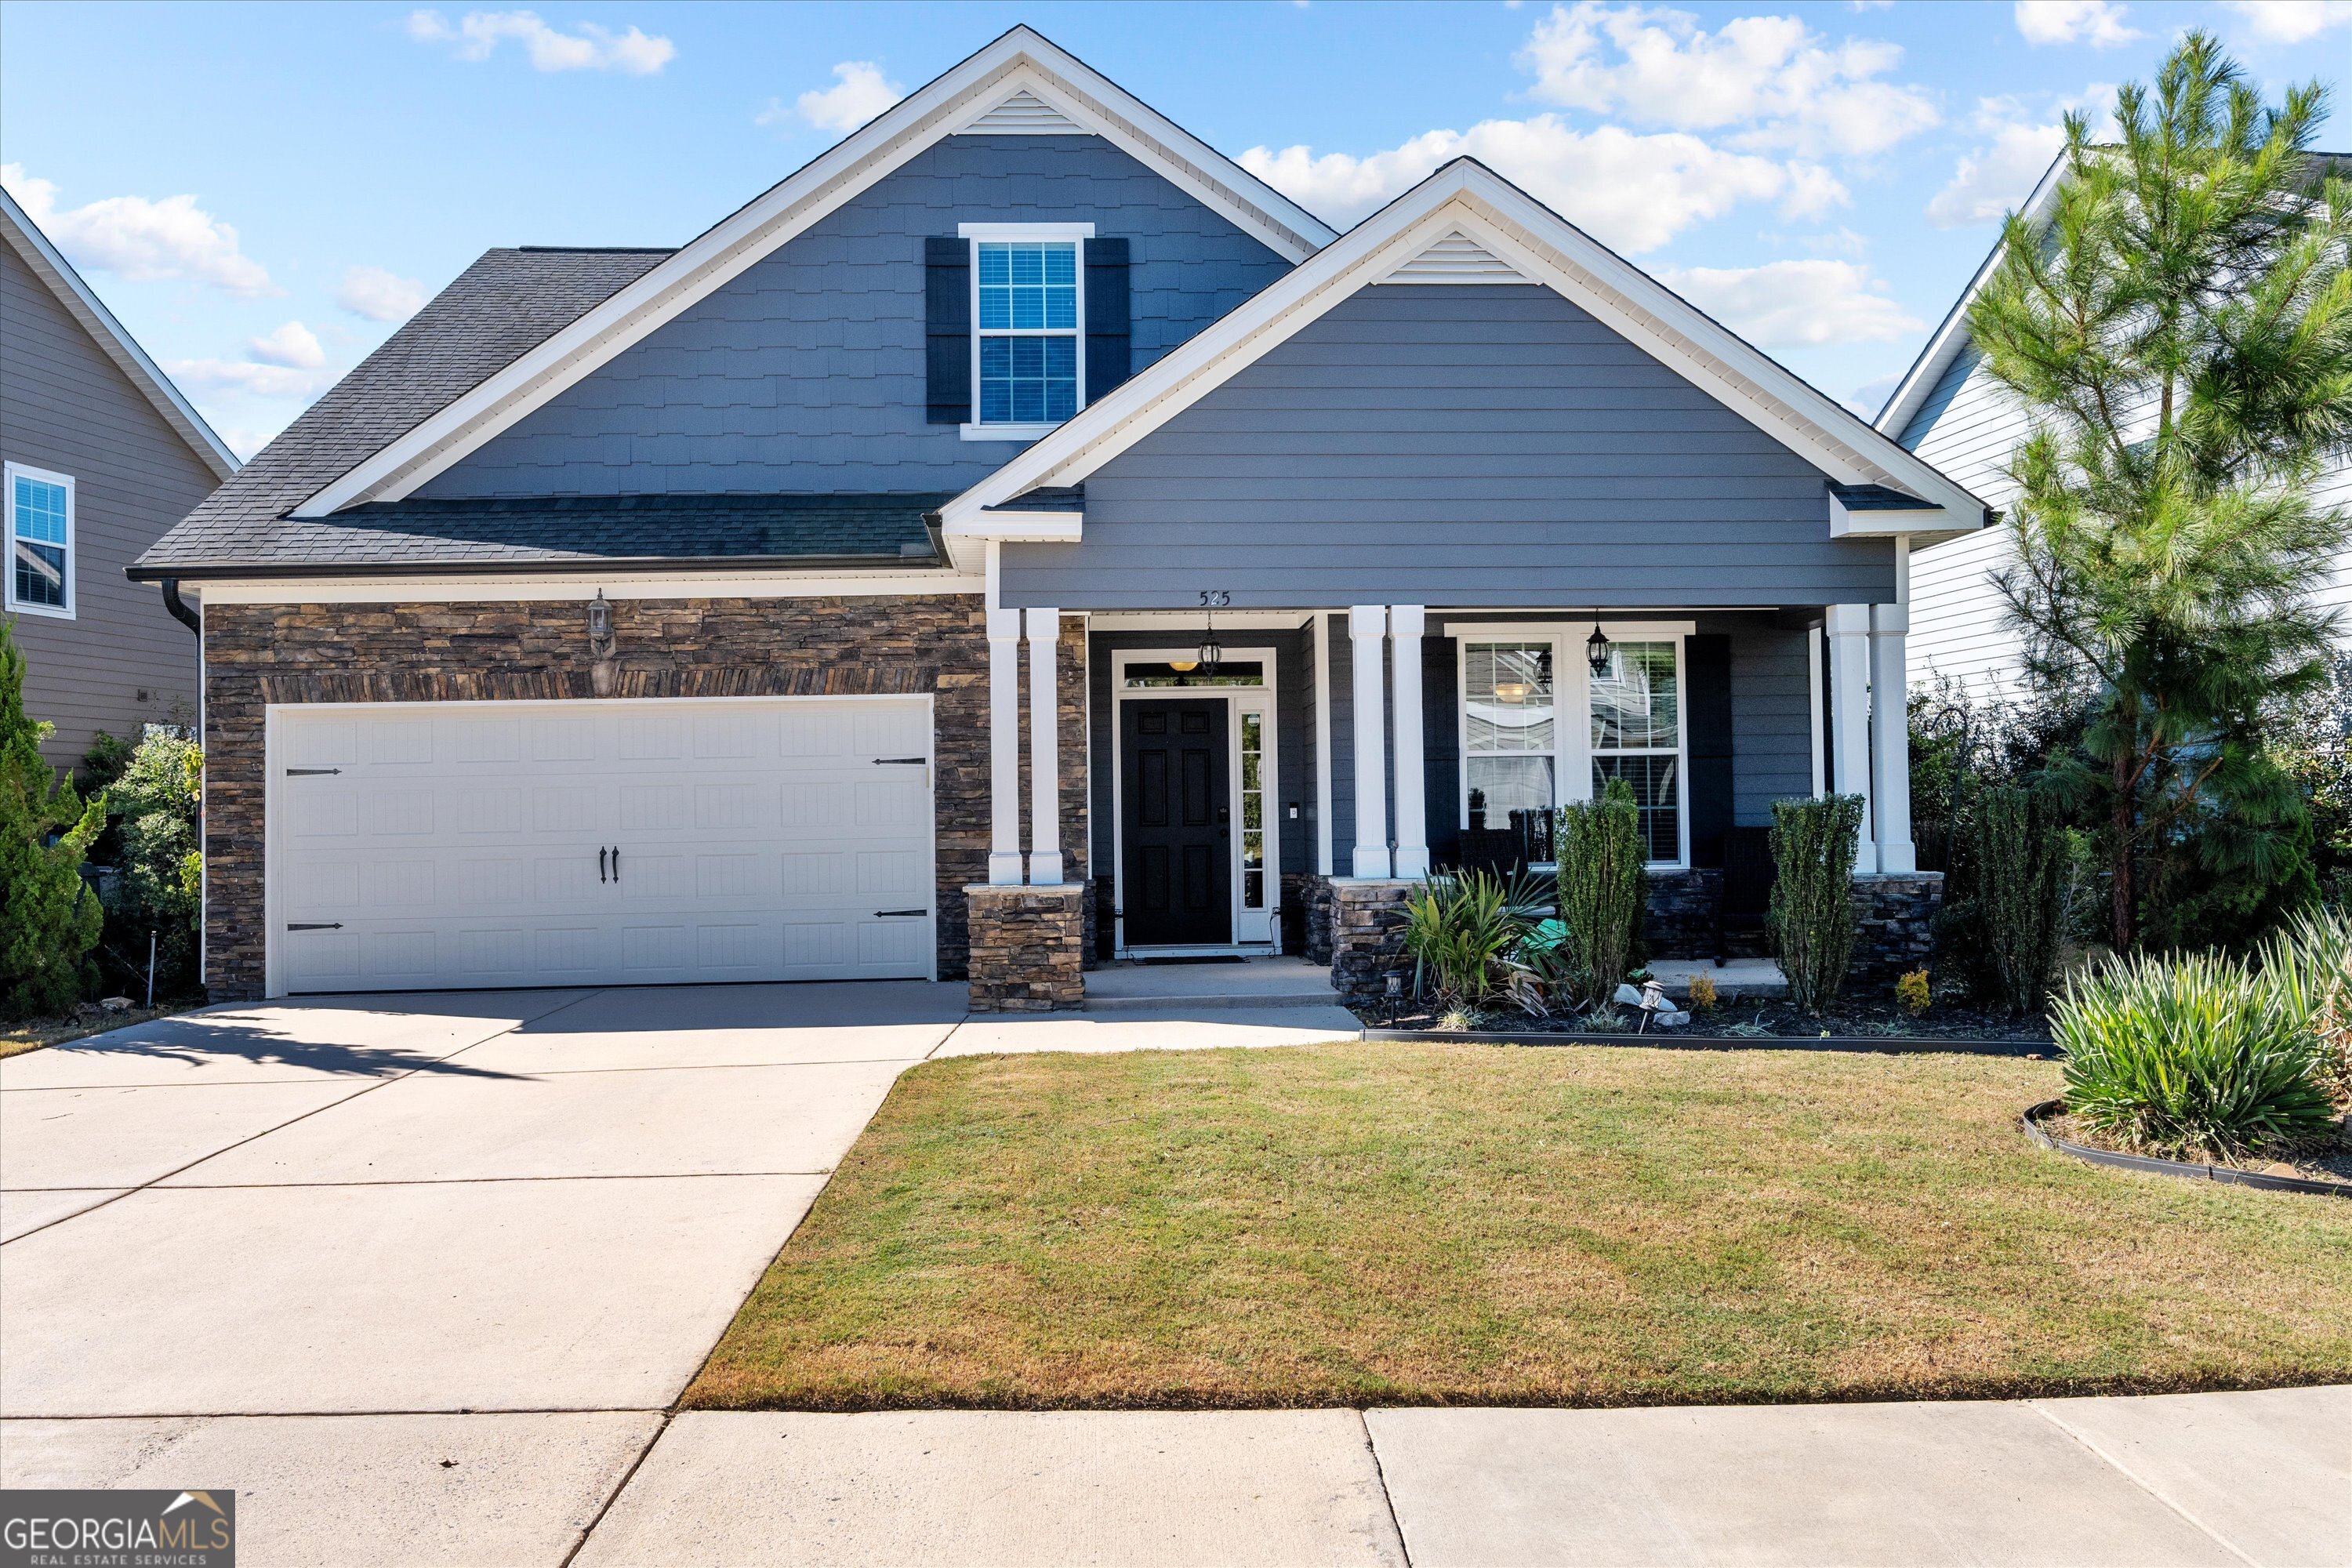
{"x":314,"y":925}
{"x":306,"y":773}
{"x":901,"y":762}
{"x":899,"y":914}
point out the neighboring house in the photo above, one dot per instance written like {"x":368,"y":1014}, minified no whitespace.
{"x":698,"y":614}
{"x":103,"y":454}
{"x":1949,"y":410}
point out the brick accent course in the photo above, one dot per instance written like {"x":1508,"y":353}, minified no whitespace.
{"x":1027,"y":947}
{"x":257,"y":655}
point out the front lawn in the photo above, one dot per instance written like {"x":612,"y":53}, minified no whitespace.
{"x":1406,"y":1223}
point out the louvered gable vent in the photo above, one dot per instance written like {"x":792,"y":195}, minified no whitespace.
{"x":1026,"y":114}
{"x":1456,"y":259}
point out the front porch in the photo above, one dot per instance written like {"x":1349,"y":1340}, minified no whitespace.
{"x":1266,"y":782}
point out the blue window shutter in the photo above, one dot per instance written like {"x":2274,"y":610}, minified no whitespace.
{"x":1109,"y":334}
{"x":1706,"y":714}
{"x":946,"y":329}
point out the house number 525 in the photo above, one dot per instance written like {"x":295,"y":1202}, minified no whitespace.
{"x":1215,"y":598}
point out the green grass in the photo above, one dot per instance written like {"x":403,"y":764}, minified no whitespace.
{"x":1463,"y":1224}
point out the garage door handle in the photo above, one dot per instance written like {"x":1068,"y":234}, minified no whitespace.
{"x":899,"y":914}
{"x":901,"y":762}
{"x":616,"y":862}
{"x":314,"y":925}
{"x":600,"y":863}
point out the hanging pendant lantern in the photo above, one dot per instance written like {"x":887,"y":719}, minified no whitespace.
{"x":1596,"y":647}
{"x":1208,"y":654}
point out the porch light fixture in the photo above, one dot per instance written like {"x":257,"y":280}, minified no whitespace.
{"x":1209,"y":656}
{"x":1596,"y":647}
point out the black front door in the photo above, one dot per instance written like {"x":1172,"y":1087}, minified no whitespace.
{"x":1177,"y":883}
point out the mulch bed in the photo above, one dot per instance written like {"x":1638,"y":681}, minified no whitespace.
{"x":1853,"y":1018}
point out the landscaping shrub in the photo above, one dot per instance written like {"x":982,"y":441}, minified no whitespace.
{"x":152,"y":804}
{"x":2310,"y":962}
{"x":1811,"y":920}
{"x":2197,"y":1054}
{"x":1459,"y":925}
{"x":1604,"y":890}
{"x":2015,"y":915}
{"x":49,"y":919}
{"x":1913,"y":990}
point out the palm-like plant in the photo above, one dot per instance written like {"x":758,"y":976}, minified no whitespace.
{"x":1459,"y":925}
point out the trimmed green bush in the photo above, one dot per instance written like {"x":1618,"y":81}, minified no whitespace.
{"x":1810,"y":917}
{"x":153,"y":803}
{"x":1603,"y":892}
{"x":2018,"y":848}
{"x":49,"y":919}
{"x":2190,"y":1054}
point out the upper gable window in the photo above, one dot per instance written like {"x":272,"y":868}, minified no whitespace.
{"x":1028,"y":366}
{"x":40,"y":508}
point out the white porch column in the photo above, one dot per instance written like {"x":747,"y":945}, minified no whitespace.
{"x":1367,"y":628}
{"x":1406,"y":624}
{"x":1848,"y":635}
{"x":1045,"y":748}
{"x":1004,"y":747}
{"x":1890,"y":737}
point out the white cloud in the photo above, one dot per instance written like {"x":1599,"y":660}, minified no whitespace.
{"x":593,"y":48}
{"x":1871,"y":397}
{"x":1635,"y":193}
{"x":293,"y":345}
{"x":143,"y":241}
{"x":859,"y":93}
{"x":1794,"y":304}
{"x":2290,"y":21}
{"x":1998,"y":176}
{"x":253,"y":379}
{"x":1771,"y":79}
{"x":379,"y":295}
{"x":2098,"y":23}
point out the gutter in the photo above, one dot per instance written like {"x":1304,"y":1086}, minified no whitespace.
{"x":346,"y":570}
{"x":179,"y":607}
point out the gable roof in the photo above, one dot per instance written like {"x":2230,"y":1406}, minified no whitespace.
{"x":49,"y":265}
{"x":498,"y":307}
{"x":1020,"y":70}
{"x":1469,"y":200}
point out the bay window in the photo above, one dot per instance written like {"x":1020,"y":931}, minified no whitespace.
{"x":1540,"y":727}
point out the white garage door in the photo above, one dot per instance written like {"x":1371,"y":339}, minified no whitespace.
{"x":480,"y":844}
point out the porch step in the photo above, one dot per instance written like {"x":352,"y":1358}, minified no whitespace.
{"x":1267,"y":982}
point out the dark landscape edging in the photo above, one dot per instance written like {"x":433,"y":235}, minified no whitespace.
{"x":2187,"y":1169}
{"x":1661,"y":1040}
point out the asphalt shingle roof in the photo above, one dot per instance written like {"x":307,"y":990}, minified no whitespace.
{"x":504,"y":304}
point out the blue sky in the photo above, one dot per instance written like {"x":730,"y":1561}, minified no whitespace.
{"x":262,"y":193}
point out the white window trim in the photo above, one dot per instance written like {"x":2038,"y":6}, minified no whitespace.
{"x":1571,"y":696}
{"x":976,"y":234}
{"x":70,"y":609}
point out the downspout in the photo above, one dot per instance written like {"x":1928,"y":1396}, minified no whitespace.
{"x":179,"y":607}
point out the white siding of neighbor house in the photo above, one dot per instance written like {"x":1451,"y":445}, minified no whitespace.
{"x":1967,"y":427}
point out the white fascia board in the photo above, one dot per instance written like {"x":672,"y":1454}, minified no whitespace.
{"x":1896,"y":522}
{"x":1546,"y":248}
{"x":1951,"y":335}
{"x":1009,"y":526}
{"x":49,"y":265}
{"x":1021,"y":59}
{"x":524,"y":587}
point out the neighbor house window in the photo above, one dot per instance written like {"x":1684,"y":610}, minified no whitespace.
{"x":1540,"y":727}
{"x":40,"y":508}
{"x":1028,"y":325}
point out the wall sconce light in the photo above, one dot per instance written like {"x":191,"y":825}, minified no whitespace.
{"x":602,"y":643}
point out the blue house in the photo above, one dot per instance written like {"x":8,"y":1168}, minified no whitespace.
{"x":1019,"y":539}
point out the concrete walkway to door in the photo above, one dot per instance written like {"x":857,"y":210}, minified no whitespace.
{"x":422,"y":1277}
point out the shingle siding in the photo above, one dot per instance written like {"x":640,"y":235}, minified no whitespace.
{"x":1455,"y":445}
{"x":66,"y":407}
{"x":806,"y":372}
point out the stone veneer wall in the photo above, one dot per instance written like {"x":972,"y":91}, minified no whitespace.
{"x":1027,"y":952}
{"x":1894,"y":924}
{"x":1315,"y":890}
{"x":1367,"y":935}
{"x":257,"y":655}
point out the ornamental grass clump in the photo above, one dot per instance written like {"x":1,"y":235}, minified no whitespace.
{"x":2310,"y":962}
{"x":1458,"y":925}
{"x":1810,"y":918}
{"x":2197,"y":1055}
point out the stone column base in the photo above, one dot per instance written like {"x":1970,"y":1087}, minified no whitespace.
{"x":1367,"y":935}
{"x":1894,"y":924}
{"x":1028,"y":947}
{"x":1315,"y":892}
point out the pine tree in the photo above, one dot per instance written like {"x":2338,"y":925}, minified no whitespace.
{"x":48,"y":920}
{"x":2181,"y":336}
